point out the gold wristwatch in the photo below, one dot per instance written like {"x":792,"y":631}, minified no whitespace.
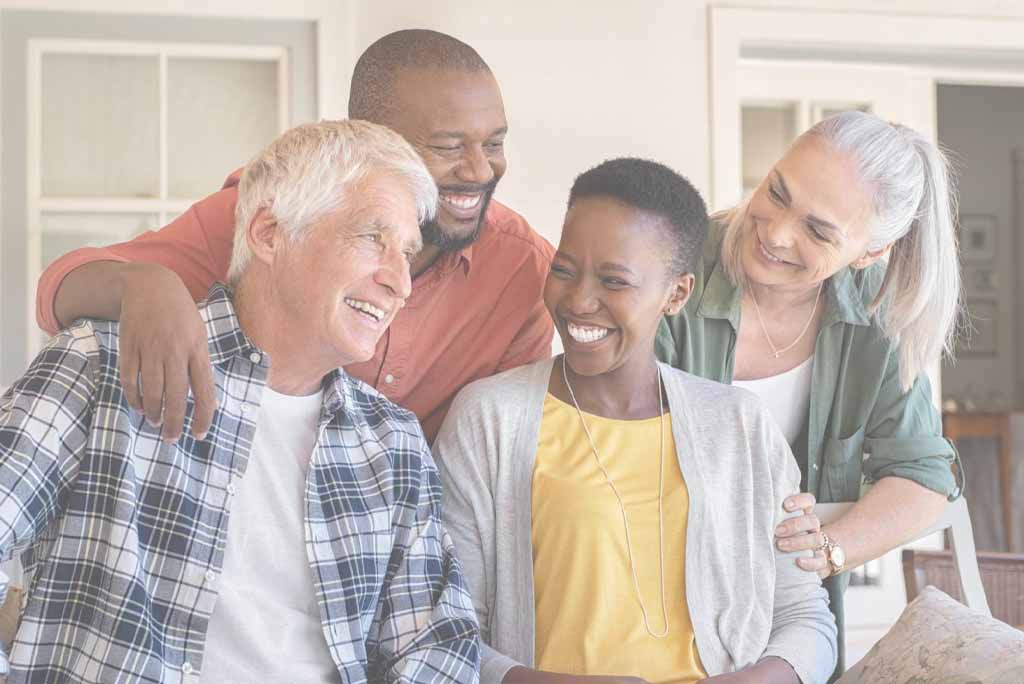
{"x":834,"y":553}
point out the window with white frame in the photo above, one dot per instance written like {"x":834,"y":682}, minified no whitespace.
{"x":124,"y":137}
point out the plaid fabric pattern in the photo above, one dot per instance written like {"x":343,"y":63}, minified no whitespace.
{"x":122,"y":536}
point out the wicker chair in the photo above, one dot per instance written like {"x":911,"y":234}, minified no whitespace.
{"x":1002,"y":575}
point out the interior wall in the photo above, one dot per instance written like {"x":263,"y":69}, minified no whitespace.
{"x":982,"y":127}
{"x":581,"y":84}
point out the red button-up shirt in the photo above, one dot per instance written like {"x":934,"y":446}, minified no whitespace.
{"x":472,"y":314}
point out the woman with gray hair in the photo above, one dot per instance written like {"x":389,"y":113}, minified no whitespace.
{"x":829,"y":293}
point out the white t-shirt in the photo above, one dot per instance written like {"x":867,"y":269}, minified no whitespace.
{"x":266,"y":624}
{"x":787,"y":396}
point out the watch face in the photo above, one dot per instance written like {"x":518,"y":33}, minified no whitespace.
{"x":837,"y":557}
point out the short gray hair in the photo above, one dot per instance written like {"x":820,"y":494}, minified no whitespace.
{"x":309,"y":172}
{"x":912,"y":190}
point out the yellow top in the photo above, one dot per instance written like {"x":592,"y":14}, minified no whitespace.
{"x":588,"y":617}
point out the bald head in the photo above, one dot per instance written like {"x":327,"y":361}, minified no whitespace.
{"x":371,"y":98}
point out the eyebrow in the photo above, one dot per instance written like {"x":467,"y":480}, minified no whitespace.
{"x":461,"y":134}
{"x":415,"y":244}
{"x":787,"y":199}
{"x":619,"y":268}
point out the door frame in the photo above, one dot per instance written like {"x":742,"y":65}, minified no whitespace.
{"x":961,"y":43}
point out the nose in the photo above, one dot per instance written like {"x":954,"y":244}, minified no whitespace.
{"x":475,"y":167}
{"x":778,"y":232}
{"x":581,"y":300}
{"x":394,"y":274}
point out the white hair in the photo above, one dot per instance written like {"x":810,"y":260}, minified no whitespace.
{"x":912,"y":191}
{"x":310,"y":171}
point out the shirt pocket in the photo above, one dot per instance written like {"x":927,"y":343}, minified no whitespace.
{"x":844,"y":464}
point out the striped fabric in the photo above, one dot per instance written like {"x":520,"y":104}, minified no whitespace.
{"x":122,"y":536}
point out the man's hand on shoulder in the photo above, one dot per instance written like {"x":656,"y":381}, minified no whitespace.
{"x":164,"y":351}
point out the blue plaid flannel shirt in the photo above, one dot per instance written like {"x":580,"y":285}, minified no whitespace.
{"x":119,"y":532}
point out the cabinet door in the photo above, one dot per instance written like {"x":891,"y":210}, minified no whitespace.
{"x":110,"y":117}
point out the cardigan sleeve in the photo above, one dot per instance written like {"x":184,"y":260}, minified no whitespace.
{"x":463,"y":452}
{"x":803,"y":631}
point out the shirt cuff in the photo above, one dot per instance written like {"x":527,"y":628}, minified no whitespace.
{"x":494,"y":666}
{"x":53,"y":276}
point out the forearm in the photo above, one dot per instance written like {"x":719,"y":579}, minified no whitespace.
{"x":770,"y":670}
{"x":96,"y":289}
{"x":891,"y":513}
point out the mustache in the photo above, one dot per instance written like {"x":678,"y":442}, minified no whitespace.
{"x":468,"y":189}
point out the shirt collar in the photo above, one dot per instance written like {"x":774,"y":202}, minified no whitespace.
{"x":227,"y":340}
{"x":843,"y":297}
{"x":223,"y":331}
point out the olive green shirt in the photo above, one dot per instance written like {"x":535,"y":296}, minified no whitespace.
{"x":861,"y":426}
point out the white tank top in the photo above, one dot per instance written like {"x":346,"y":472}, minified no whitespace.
{"x":786,"y":395}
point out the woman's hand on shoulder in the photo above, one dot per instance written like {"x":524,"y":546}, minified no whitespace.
{"x":803,"y":533}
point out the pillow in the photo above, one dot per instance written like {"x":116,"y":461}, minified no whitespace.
{"x":938,"y":640}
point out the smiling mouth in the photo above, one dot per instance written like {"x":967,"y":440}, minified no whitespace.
{"x":586,"y":334}
{"x":768,"y":255}
{"x":370,"y":311}
{"x":462,"y":202}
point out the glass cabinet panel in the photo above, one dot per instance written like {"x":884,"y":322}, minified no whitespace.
{"x":100,"y":126}
{"x":220,"y":112}
{"x":767,"y":133}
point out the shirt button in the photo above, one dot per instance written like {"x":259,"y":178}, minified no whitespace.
{"x":210,"y":575}
{"x":245,"y":408}
{"x":231,"y":489}
{"x":255,"y":357}
{"x":814,"y":466}
{"x":389,"y":378}
{"x":186,"y":668}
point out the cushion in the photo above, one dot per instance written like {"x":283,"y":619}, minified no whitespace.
{"x":938,"y":640}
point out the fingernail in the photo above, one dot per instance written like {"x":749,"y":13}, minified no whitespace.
{"x":780,"y":529}
{"x":789,"y":505}
{"x":201,"y":436}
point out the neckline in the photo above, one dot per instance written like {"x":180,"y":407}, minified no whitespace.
{"x":792,"y":371}
{"x":594,"y":416}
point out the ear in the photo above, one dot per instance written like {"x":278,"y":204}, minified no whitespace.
{"x":871,"y":257}
{"x":264,"y":236}
{"x":682,"y":288}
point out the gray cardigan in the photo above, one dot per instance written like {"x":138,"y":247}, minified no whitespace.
{"x":746,"y":599}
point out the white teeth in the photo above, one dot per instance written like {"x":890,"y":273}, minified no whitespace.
{"x":462,"y":201}
{"x":582,"y":334}
{"x":366,"y":307}
{"x":768,"y":255}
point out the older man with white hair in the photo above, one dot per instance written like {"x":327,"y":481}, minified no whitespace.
{"x":298,"y":540}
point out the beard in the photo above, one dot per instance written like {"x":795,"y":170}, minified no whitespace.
{"x":435,"y":234}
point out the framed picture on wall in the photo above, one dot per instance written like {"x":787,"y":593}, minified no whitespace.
{"x":977,"y":237}
{"x":981,"y":279}
{"x":981,"y":339}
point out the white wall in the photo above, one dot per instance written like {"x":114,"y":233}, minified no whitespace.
{"x":580,"y":85}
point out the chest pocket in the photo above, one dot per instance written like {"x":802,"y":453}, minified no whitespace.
{"x":844,"y":462}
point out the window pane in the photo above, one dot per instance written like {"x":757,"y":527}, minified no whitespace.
{"x":64,"y":232}
{"x":100,"y":126}
{"x":767,"y":132}
{"x":823,"y":111}
{"x":221,"y":112}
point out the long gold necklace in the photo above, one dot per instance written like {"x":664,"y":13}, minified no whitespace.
{"x":622,"y":506}
{"x":764,"y":328}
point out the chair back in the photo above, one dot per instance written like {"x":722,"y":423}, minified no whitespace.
{"x":957,"y":520}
